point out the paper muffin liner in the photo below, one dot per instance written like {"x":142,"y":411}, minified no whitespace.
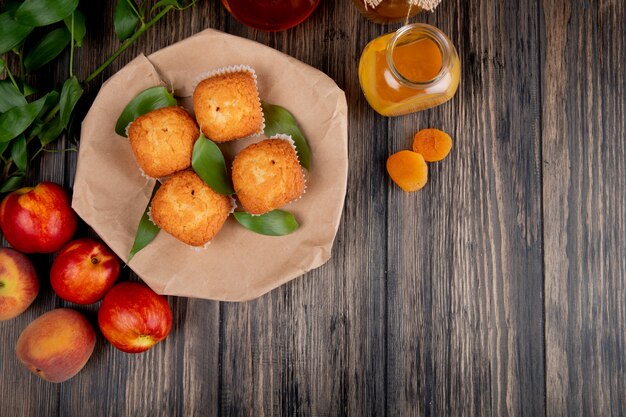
{"x":149,"y":213}
{"x":159,"y":179}
{"x":198,"y":248}
{"x":148,"y":177}
{"x":288,"y":138}
{"x":221,"y":71}
{"x":233,"y":205}
{"x":127,"y":129}
{"x":229,"y":70}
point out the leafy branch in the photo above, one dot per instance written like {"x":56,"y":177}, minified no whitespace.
{"x":37,"y":32}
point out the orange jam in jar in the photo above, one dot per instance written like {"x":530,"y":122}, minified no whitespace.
{"x":387,"y":11}
{"x":413,"y":69}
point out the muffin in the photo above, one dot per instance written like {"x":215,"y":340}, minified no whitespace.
{"x":162,"y":141}
{"x":227,"y":106}
{"x":188,"y":209}
{"x":267,"y":175}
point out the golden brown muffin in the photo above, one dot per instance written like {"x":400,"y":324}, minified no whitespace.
{"x":267,"y":175}
{"x":162,"y":141}
{"x":228,"y":107}
{"x":188,"y":209}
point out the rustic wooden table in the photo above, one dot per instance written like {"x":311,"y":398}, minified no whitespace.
{"x":499,"y":289}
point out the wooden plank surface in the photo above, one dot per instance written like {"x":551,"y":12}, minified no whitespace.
{"x":584,"y":191}
{"x":464,"y":254}
{"x":433,"y":303}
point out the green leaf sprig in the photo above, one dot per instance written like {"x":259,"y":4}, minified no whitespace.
{"x":126,"y":19}
{"x":208,"y":162}
{"x":61,"y":28}
{"x":10,"y":96}
{"x":49,"y":47}
{"x":146,"y":231}
{"x":274,"y":223}
{"x":150,"y":99}
{"x":278,"y":120}
{"x":16,"y":120}
{"x":38,"y":13}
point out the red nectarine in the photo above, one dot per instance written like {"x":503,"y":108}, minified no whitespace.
{"x":84,"y":271}
{"x":38,"y":219}
{"x":57,"y":345}
{"x":18,"y":283}
{"x":133,"y":317}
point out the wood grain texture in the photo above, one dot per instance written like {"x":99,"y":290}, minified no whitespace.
{"x":465,"y":275}
{"x":433,"y":303}
{"x":285,"y":354}
{"x":584,"y":191}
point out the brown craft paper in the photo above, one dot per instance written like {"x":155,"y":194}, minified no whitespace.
{"x":110,"y":193}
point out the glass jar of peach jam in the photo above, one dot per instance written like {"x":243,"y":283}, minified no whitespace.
{"x":413,"y":69}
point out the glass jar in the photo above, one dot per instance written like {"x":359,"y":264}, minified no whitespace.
{"x":413,"y":69}
{"x":270,"y":15}
{"x":387,"y":11}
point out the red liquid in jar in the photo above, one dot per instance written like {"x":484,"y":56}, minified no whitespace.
{"x":270,"y":15}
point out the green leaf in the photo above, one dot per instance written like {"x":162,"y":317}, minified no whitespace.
{"x":52,"y":99}
{"x":2,"y":65}
{"x":3,"y":147}
{"x":44,"y":12}
{"x":70,"y":94}
{"x":80,"y":29}
{"x":11,"y":33}
{"x":36,"y":128}
{"x":151,"y":99}
{"x":10,"y":96}
{"x":208,"y":162}
{"x":50,"y":131}
{"x":17,"y":119}
{"x":24,"y":88}
{"x":146,"y":231}
{"x":19,"y":153}
{"x":125,"y":19}
{"x":178,"y":5}
{"x":274,"y":223}
{"x":48,"y":48}
{"x":278,"y":120}
{"x":40,"y":127}
{"x":11,"y":6}
{"x":164,"y":3}
{"x":28,"y":90}
{"x":12,"y":183}
{"x":73,"y":128}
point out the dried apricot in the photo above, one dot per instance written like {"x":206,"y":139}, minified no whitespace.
{"x":408,"y":170}
{"x":433,"y":144}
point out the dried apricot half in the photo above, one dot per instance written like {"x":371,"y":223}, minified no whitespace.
{"x":433,"y":144}
{"x":408,"y":169}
